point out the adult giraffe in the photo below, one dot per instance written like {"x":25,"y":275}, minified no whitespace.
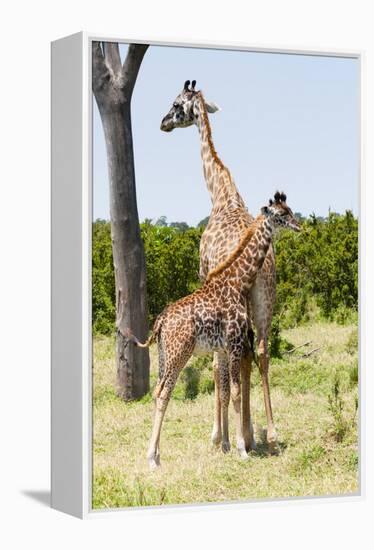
{"x":228,"y":221}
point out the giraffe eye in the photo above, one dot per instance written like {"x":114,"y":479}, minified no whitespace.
{"x":175,"y":105}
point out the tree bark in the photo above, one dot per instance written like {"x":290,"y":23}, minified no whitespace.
{"x":113,"y":85}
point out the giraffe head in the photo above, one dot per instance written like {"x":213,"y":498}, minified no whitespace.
{"x":185,"y":109}
{"x":279,"y":214}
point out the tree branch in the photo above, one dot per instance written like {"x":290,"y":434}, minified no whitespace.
{"x":310,"y":352}
{"x":100,"y":72}
{"x":112,"y":57}
{"x":131,"y":66}
{"x":297,"y":347}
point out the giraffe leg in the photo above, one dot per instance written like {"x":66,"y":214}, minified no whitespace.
{"x":217,"y":431}
{"x":224,"y":383}
{"x":163,"y":392}
{"x":271,"y":436}
{"x":247,"y":426}
{"x":236,"y":400}
{"x":161,"y":364}
{"x":153,"y":454}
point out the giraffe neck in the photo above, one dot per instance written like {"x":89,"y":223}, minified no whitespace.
{"x":222,"y":189}
{"x":244,"y":269}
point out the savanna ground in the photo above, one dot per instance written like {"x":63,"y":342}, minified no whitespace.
{"x":315,"y":408}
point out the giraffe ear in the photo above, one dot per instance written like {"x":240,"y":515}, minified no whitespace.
{"x":264,"y":210}
{"x":211,"y":107}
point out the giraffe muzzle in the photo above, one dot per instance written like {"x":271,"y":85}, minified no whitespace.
{"x":167,"y":124}
{"x":295,"y":226}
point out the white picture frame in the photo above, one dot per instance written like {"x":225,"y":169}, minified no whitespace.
{"x":71,"y":360}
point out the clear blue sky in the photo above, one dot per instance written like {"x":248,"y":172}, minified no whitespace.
{"x":288,"y":122}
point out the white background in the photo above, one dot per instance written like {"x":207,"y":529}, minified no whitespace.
{"x":27,"y":29}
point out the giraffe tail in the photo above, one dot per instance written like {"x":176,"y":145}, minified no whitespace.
{"x":132,"y":338}
{"x":128,"y":334}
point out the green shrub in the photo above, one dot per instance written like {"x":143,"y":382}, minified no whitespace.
{"x":205,"y":365}
{"x":320,"y":262}
{"x":353,"y":375}
{"x":341,"y":422}
{"x":103,"y":286}
{"x":344,"y":315}
{"x":352,"y":342}
{"x":311,"y":455}
{"x":278,"y":345}
{"x":191,"y":379}
{"x":172,"y":260}
{"x":316,"y":269}
{"x":336,"y":410}
{"x":207,"y":384}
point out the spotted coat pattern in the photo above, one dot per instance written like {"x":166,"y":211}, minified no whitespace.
{"x":214,"y":318}
{"x":228,"y":222}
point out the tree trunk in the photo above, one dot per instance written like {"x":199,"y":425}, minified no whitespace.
{"x":112,"y":86}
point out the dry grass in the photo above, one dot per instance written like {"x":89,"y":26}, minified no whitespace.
{"x":312,"y":460}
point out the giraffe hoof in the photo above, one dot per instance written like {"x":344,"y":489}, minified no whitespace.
{"x":243,"y":454}
{"x":216,"y":438}
{"x":251,"y":446}
{"x":273,"y":446}
{"x":226,"y":446}
{"x":154,"y":462}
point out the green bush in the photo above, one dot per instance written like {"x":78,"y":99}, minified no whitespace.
{"x":172,"y":260}
{"x":317,"y":269}
{"x":353,"y":375}
{"x":319,"y":262}
{"x":103,"y":287}
{"x":204,"y":365}
{"x":278,"y":345}
{"x":191,"y":379}
{"x":352,"y":342}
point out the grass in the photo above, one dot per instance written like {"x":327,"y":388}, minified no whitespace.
{"x":314,"y":401}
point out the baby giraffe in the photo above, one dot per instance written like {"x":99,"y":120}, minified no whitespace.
{"x":214,"y":318}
